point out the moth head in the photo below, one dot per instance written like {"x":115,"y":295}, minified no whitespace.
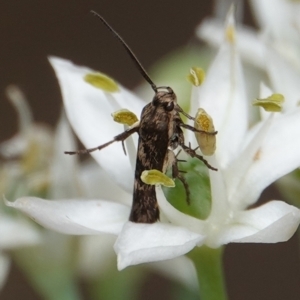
{"x":165,"y":98}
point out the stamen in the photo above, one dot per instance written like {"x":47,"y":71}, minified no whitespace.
{"x":196,"y":76}
{"x":206,"y":141}
{"x":125,"y":117}
{"x":101,"y":81}
{"x":272,"y":103}
{"x":154,"y":177}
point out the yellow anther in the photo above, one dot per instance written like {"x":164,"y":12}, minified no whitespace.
{"x":154,"y":177}
{"x":101,"y":81}
{"x":206,"y":142}
{"x":272,"y":103}
{"x":124,"y":116}
{"x":230,"y":34}
{"x":196,"y":76}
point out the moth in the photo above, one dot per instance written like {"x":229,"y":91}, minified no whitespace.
{"x":160,"y":133}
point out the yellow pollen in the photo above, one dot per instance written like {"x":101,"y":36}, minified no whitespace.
{"x":101,"y":81}
{"x":196,"y":76}
{"x":125,"y":116}
{"x":230,"y":34}
{"x":154,"y":177}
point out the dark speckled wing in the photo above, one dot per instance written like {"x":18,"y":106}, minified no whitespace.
{"x":152,"y":149}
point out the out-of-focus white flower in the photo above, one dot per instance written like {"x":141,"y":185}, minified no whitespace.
{"x":273,"y":50}
{"x":248,"y":161}
{"x":15,"y":231}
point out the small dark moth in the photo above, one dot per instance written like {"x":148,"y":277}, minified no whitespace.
{"x":160,"y":132}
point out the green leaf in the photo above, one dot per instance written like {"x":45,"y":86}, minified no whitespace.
{"x":198,"y":182}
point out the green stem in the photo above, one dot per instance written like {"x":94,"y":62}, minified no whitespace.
{"x":208,"y":263}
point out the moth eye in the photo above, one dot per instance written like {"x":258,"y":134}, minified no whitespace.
{"x":169,"y":106}
{"x":155,"y":101}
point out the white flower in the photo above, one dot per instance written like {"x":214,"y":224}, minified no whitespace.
{"x":273,"y":50}
{"x":248,"y":161}
{"x":15,"y":231}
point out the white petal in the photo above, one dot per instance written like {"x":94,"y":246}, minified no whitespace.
{"x":140,"y":243}
{"x":74,"y":216}
{"x":272,"y":222}
{"x":285,"y":79}
{"x":273,"y":15}
{"x":280,"y":20}
{"x":175,"y":216}
{"x":223,"y":97}
{"x":15,"y":232}
{"x":277,"y":154}
{"x":91,"y":175}
{"x":20,"y":103}
{"x":89,"y":112}
{"x":64,"y":184}
{"x":218,"y":193}
{"x":187,"y":274}
{"x":238,"y":186}
{"x":249,"y":45}
{"x":4,"y":268}
{"x":264,"y":92}
{"x":96,"y":254}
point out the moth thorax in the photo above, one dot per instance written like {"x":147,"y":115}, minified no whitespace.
{"x":165,"y":99}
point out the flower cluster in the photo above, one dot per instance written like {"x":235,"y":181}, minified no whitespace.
{"x":248,"y":160}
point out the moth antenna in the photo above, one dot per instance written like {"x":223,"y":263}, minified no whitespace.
{"x":128,"y":50}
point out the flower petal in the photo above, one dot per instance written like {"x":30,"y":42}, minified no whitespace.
{"x":17,"y":233}
{"x":273,"y":15}
{"x":140,"y":243}
{"x":272,"y":222}
{"x":176,"y":217}
{"x":223,"y":97}
{"x":250,"y":47}
{"x":95,"y":254}
{"x":187,"y":274}
{"x":270,"y":155}
{"x":90,"y":176}
{"x":74,"y":216}
{"x":285,"y":79}
{"x":89,"y":112}
{"x":64,"y":184}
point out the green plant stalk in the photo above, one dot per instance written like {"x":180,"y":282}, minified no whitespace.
{"x":209,"y":267}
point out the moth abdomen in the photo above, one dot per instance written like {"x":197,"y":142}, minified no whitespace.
{"x":144,"y":206}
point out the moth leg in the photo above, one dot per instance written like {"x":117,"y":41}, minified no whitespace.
{"x":180,"y":160}
{"x":189,"y":127}
{"x":176,"y":173}
{"x":192,"y":153}
{"x":118,"y":138}
{"x":179,"y":109}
